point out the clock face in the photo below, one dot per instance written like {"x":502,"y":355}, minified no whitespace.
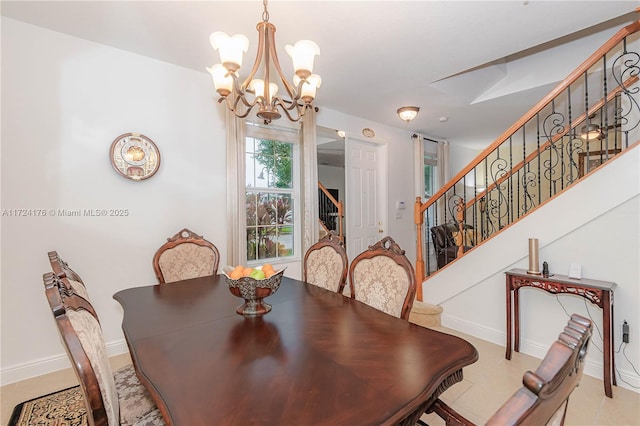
{"x":135,"y":156}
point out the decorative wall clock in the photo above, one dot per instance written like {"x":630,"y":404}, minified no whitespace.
{"x":135,"y":156}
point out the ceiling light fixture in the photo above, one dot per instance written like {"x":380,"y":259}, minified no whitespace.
{"x":242,"y":98}
{"x":591,"y":132}
{"x":408,"y":113}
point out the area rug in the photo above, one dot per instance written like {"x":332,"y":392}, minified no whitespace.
{"x":62,"y":408}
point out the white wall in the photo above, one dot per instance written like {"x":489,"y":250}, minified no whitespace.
{"x":64,"y":101}
{"x":596,"y":224}
{"x":459,"y":157}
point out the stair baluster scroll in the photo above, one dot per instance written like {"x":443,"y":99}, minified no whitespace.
{"x":589,"y":118}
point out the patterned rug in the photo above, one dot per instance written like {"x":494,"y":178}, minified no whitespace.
{"x":62,"y":408}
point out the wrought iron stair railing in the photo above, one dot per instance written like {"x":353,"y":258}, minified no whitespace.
{"x":331,"y":212}
{"x":587,"y":119}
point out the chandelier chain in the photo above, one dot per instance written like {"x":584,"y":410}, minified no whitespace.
{"x":265,"y":13}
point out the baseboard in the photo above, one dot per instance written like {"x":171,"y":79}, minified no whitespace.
{"x":50,"y":364}
{"x":625,"y":378}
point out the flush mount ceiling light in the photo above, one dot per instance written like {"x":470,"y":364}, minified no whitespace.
{"x":591,"y":132}
{"x":408,"y":113}
{"x":242,"y":98}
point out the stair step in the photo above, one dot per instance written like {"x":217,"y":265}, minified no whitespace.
{"x":425,"y":314}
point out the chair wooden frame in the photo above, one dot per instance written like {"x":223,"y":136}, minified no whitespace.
{"x":184,"y":236}
{"x":332,"y":240}
{"x":387,"y":247}
{"x":545,"y":394}
{"x":62,"y":298}
{"x":61,"y":268}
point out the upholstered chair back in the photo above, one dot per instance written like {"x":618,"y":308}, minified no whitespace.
{"x":185,"y":255}
{"x":382,"y":277}
{"x":326,"y":264}
{"x":83,"y":340}
{"x":111,"y":398}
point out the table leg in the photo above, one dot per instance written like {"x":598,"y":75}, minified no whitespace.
{"x":613,"y":355}
{"x":607,"y":321}
{"x":508,"y":286}
{"x":516,"y":320}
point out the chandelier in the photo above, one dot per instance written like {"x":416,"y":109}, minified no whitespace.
{"x":262,"y":92}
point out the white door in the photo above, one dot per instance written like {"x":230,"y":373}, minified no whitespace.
{"x":366,"y":195}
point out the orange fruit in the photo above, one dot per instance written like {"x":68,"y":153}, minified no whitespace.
{"x":247,"y":271}
{"x":267,"y":267}
{"x":238,"y":268}
{"x":236,"y":274}
{"x":269,"y":273}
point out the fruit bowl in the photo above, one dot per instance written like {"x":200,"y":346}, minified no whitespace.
{"x":253,"y":291}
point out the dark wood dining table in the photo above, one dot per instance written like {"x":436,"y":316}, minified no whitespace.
{"x":318,"y":358}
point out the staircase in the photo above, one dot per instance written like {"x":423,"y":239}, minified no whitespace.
{"x":591,"y":118}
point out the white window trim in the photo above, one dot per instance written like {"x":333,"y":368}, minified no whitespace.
{"x":291,"y":135}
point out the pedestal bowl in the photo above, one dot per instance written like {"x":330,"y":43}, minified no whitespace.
{"x":253,"y":291}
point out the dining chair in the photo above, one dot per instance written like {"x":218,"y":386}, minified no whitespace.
{"x":61,"y":269}
{"x":382,"y":277}
{"x":544,"y":396}
{"x":326,"y":264}
{"x":111,"y":398}
{"x":185,"y":255}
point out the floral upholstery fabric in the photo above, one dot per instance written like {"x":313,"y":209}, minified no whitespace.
{"x":125,"y":399}
{"x":79,"y":289}
{"x":324,"y":268}
{"x":186,"y":261}
{"x":90,"y":334}
{"x":135,"y":401}
{"x":382,"y":284}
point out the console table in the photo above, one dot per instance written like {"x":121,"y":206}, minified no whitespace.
{"x":599,"y":293}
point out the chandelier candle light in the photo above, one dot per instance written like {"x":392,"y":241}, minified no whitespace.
{"x":242,"y":98}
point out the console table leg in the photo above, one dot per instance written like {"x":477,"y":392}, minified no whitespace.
{"x":508,"y":353}
{"x":607,"y":321}
{"x":516,"y":320}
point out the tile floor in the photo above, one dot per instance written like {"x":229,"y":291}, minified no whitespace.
{"x":492,"y":380}
{"x":487,"y":384}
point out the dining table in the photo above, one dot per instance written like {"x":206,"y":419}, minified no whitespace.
{"x":318,"y":357}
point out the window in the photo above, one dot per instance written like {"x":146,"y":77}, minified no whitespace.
{"x":271,"y":193}
{"x":430,"y":174}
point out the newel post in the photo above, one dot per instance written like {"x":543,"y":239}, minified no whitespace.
{"x":418,"y":220}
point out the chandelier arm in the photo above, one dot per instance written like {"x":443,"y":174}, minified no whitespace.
{"x":261,"y":27}
{"x":300,"y":108}
{"x":245,"y":101}
{"x":239,"y":93}
{"x":276,"y":64}
{"x":234,"y":108}
{"x":292,"y":118}
{"x":232,"y":105}
{"x":278,"y":101}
